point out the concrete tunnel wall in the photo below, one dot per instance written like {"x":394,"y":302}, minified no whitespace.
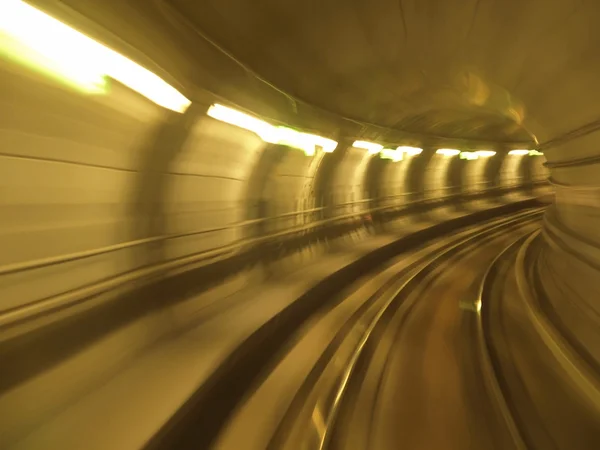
{"x":437,"y":177}
{"x":475,"y":178}
{"x":81,"y":177}
{"x":395,"y":182}
{"x":349,"y":188}
{"x":567,"y":266}
{"x":87,"y":155}
{"x":511,"y":173}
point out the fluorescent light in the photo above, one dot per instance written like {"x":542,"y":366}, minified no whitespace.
{"x":410,"y":151}
{"x":469,"y":155}
{"x":304,"y":141}
{"x":519,"y":152}
{"x":485,"y":153}
{"x":389,"y":153}
{"x":296,"y":139}
{"x":328,"y":145}
{"x":447,"y":151}
{"x":264,"y":130}
{"x":270,"y":133}
{"x":535,"y":153}
{"x":40,"y":41}
{"x":372,"y":147}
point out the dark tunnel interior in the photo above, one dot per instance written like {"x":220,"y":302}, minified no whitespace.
{"x":318,"y":224}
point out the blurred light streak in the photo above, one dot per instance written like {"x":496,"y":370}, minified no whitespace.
{"x":372,"y":147}
{"x":518,"y":152}
{"x":296,"y":139}
{"x":264,"y":130}
{"x":33,"y":38}
{"x":319,"y":421}
{"x":270,"y":133}
{"x":410,"y":151}
{"x":328,"y":145}
{"x":485,"y":153}
{"x":389,"y":153}
{"x":469,"y":155}
{"x":447,"y":151}
{"x":535,"y":153}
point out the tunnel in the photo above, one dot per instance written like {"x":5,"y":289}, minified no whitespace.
{"x":200,"y":199}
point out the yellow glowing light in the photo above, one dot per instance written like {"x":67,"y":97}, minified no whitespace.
{"x":410,"y":151}
{"x":36,"y":39}
{"x":264,"y":130}
{"x":304,"y":141}
{"x":485,"y":153}
{"x":328,"y":145}
{"x":372,"y":147}
{"x":83,"y":80}
{"x":296,"y":139}
{"x":270,"y":133}
{"x":394,"y":155}
{"x":469,"y":155}
{"x":519,"y":152}
{"x":535,"y":153}
{"x":447,"y":152}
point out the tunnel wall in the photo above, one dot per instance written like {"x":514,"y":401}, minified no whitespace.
{"x":69,"y":169}
{"x":475,"y":179}
{"x":568,"y":263}
{"x":350,"y":192}
{"x":511,"y":173}
{"x":291,"y":188}
{"x":205,"y":200}
{"x":395,"y":182}
{"x":107,"y":191}
{"x":437,"y":179}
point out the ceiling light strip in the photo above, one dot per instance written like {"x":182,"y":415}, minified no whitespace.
{"x":518,"y":152}
{"x":271,"y":133}
{"x":34,"y":38}
{"x":447,"y":152}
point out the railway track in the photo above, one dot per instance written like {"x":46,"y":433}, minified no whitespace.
{"x":333,"y":388}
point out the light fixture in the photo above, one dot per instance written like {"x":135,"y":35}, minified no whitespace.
{"x":485,"y":153}
{"x":469,"y":155}
{"x":292,"y":138}
{"x":410,"y":151}
{"x":36,"y":39}
{"x":389,"y":153}
{"x":372,"y":147}
{"x":264,"y":130}
{"x":447,"y":151}
{"x":328,"y":145}
{"x":270,"y":133}
{"x":535,"y":153}
{"x":518,"y":152}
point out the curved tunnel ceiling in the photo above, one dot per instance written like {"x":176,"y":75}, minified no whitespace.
{"x":475,"y":69}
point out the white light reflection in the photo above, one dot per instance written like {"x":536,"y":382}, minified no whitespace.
{"x":410,"y":151}
{"x":372,"y":147}
{"x":270,"y":133}
{"x":447,"y":151}
{"x":32,"y":37}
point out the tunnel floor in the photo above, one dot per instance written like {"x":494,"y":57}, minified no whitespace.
{"x":429,"y":375}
